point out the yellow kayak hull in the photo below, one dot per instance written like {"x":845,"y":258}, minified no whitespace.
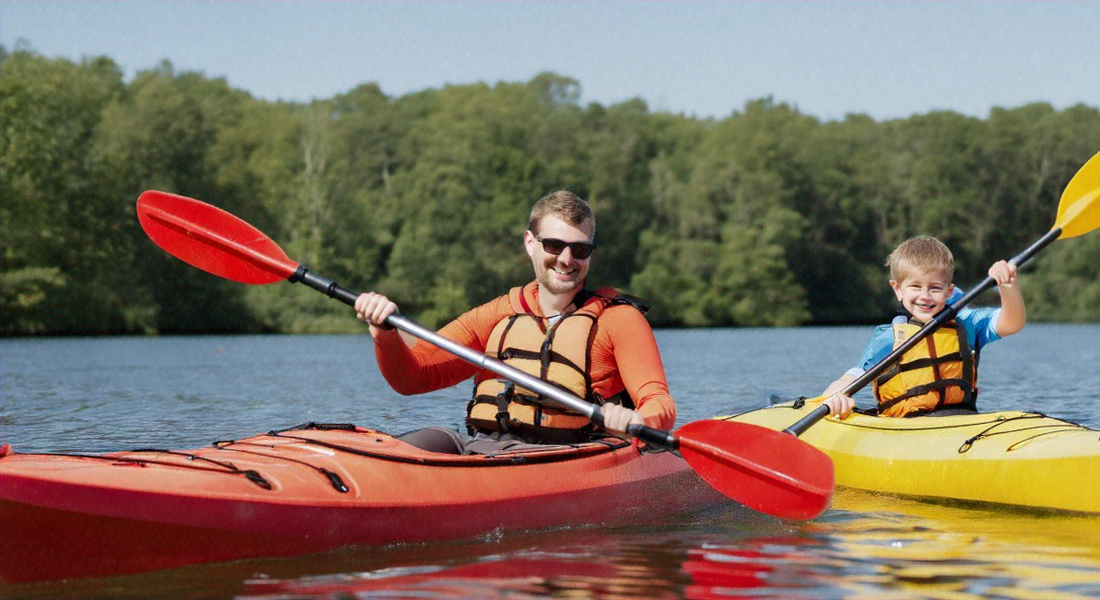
{"x":1013,"y":458}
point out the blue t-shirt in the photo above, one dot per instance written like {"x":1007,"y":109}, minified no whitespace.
{"x":980,"y":325}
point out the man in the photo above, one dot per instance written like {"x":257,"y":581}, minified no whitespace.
{"x":597,"y":345}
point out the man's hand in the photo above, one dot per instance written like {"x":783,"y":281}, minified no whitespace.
{"x":616,"y":417}
{"x":373,"y":309}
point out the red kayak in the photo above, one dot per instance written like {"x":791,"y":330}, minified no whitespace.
{"x":307,"y":490}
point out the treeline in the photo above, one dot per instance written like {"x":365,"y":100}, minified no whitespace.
{"x":768,"y":217}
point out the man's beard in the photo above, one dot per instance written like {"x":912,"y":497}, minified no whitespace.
{"x":545,"y":277}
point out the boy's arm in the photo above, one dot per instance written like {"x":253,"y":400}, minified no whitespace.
{"x":839,"y":384}
{"x":1013,"y":315}
{"x":839,"y":405}
{"x":879,"y":346}
{"x":882,"y":341}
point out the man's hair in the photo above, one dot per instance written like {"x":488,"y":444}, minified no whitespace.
{"x":567,"y":206}
{"x":920,"y":254}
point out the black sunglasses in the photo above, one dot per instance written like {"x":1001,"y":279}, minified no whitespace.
{"x":579,"y":250}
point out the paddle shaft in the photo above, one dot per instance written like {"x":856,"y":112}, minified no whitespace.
{"x":649,"y":435}
{"x":938,"y":320}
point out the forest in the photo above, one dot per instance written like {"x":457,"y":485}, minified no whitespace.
{"x":766,"y":217}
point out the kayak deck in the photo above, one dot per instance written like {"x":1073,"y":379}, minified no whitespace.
{"x":1023,"y":459}
{"x":308,"y":490}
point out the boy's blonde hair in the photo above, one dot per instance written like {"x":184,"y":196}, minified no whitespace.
{"x":920,"y":254}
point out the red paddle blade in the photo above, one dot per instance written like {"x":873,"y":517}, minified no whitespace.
{"x":766,"y":470}
{"x":211,"y":239}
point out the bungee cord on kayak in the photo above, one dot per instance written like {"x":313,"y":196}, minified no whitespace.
{"x":124,"y":459}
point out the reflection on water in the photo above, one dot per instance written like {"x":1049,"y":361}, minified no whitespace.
{"x":864,"y":547}
{"x":868,"y":548}
{"x":520,"y":577}
{"x":928,"y":550}
{"x":882,"y":548}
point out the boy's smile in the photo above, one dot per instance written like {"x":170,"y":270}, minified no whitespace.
{"x":924,"y":294}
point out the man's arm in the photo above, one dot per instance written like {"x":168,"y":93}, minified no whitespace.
{"x":638,"y":361}
{"x":425,"y":367}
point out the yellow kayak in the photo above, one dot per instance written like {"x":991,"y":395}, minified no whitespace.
{"x":1023,"y":459}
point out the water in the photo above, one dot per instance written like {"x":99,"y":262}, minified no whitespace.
{"x":107,"y":394}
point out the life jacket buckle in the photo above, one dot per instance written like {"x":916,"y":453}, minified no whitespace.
{"x":502,"y":400}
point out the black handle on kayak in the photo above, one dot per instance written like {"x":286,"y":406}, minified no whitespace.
{"x":557,"y":396}
{"x":937,"y":321}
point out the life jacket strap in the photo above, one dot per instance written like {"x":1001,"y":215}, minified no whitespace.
{"x":924,"y":363}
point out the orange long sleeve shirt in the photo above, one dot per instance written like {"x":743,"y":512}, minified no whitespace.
{"x":624,"y":356}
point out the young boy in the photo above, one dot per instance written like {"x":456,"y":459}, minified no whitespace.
{"x":940,"y":373}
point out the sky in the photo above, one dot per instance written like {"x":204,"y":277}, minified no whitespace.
{"x":704,"y":58}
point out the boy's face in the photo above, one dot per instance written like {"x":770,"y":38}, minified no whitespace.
{"x":924,"y":294}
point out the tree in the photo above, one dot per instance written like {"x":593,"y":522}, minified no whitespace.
{"x":157,"y":136}
{"x":64,"y":245}
{"x":766,"y":217}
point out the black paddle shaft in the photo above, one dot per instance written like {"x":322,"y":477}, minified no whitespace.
{"x":941,"y":317}
{"x":558,"y":396}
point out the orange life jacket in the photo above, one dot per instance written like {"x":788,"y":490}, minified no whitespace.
{"x":939,"y":372}
{"x":559,"y":354}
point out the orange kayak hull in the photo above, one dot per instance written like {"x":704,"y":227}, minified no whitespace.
{"x":304,"y":491}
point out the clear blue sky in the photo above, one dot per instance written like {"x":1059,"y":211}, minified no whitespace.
{"x":887,"y":59}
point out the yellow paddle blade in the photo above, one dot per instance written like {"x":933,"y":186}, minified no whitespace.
{"x":1079,"y":212}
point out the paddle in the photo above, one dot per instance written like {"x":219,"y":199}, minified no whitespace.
{"x":761,"y":468}
{"x":1078,"y":214}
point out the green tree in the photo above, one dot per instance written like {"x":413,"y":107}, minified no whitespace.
{"x":65,"y":246}
{"x":157,"y":136}
{"x":766,"y":217}
{"x":464,"y":199}
{"x":738,"y":217}
{"x":1063,"y":284}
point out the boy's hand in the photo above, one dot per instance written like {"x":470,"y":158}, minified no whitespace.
{"x":840,"y":405}
{"x":1004,"y":273}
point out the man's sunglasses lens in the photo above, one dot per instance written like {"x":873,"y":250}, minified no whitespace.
{"x":579,"y":250}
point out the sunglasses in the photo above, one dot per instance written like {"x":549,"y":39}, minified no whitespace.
{"x":579,"y":250}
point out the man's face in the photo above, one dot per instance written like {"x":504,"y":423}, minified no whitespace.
{"x":562,"y":273}
{"x":924,"y":294}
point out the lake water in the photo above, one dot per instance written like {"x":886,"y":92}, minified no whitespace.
{"x":102,"y":394}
